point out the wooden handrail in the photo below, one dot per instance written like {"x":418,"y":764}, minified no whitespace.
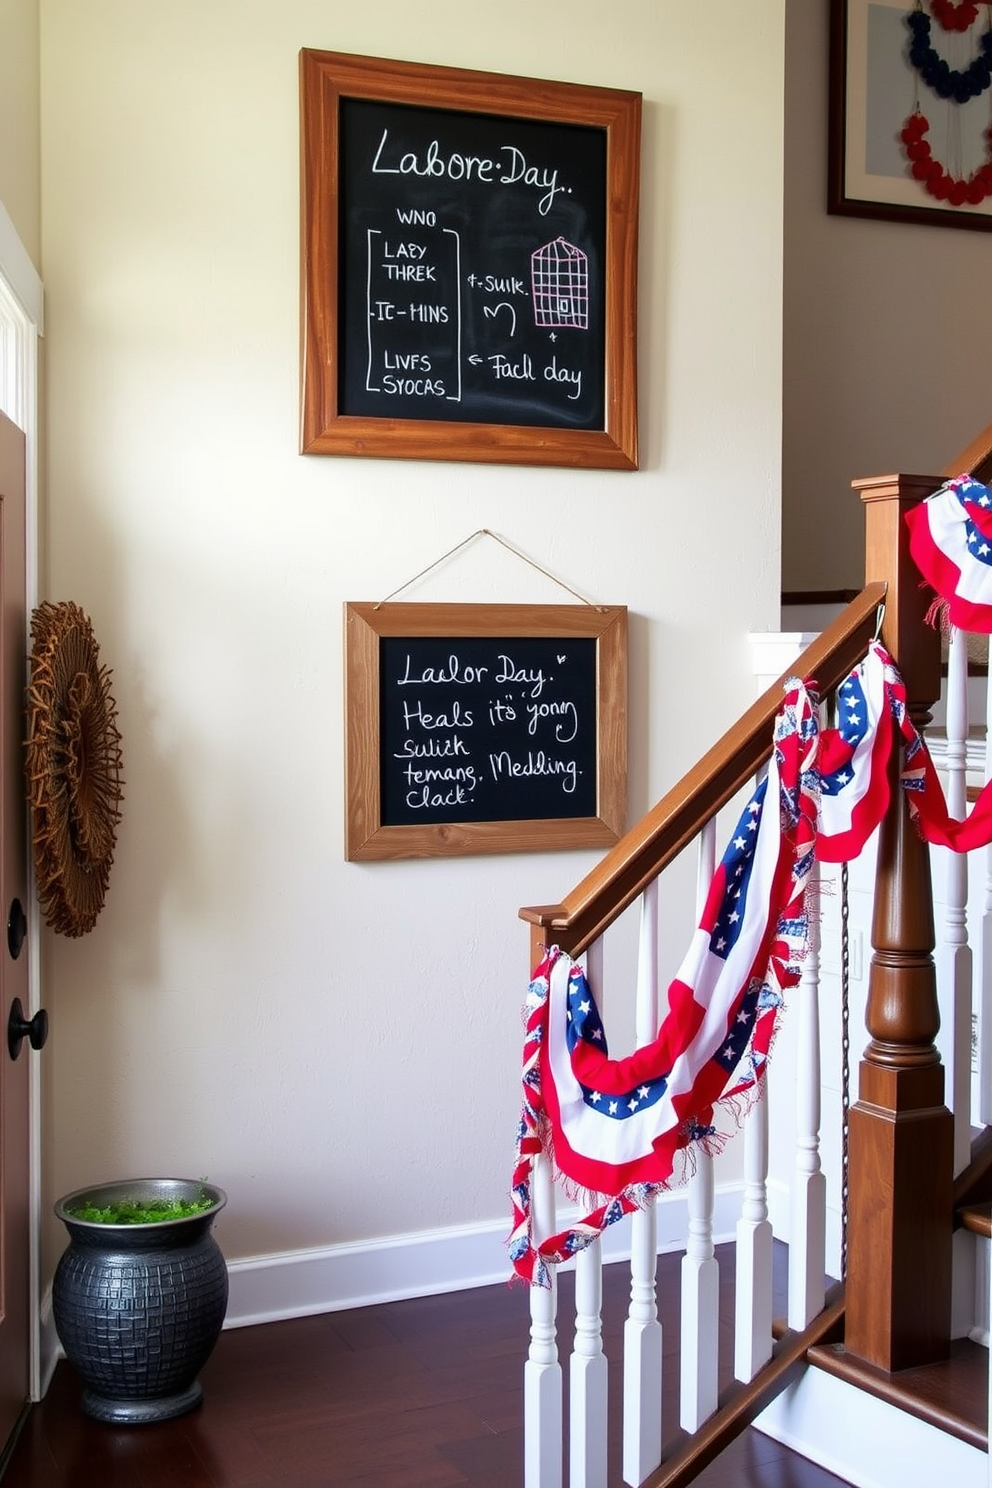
{"x":660,"y":836}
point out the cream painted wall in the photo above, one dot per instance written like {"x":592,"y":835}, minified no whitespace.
{"x":338,"y":1044}
{"x":20,"y":145}
{"x":886,"y":330}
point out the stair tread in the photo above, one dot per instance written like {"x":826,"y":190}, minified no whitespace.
{"x":951,"y":1394}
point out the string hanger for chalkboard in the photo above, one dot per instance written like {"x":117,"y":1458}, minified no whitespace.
{"x":485,"y":532}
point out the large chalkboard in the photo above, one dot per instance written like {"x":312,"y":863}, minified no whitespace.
{"x":484,"y":728}
{"x":469,"y":265}
{"x":472,"y":259}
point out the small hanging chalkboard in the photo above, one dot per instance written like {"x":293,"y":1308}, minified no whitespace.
{"x":469,"y":265}
{"x":484,"y":728}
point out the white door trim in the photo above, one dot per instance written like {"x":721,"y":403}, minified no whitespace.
{"x":20,"y":273}
{"x":21,"y":324}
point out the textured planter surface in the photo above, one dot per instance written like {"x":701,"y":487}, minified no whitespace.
{"x":139,"y":1307}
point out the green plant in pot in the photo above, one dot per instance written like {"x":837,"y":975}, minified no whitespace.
{"x":139,"y":1296}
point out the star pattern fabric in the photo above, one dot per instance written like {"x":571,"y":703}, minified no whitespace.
{"x":950,"y":540}
{"x":852,"y":762}
{"x":625,"y":1129}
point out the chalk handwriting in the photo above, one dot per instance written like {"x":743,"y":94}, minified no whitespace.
{"x":475,"y":727}
{"x":456,"y":719}
{"x":510,"y":672}
{"x":510,"y":168}
{"x":566,"y":730}
{"x":504,"y":765}
{"x":453,"y":672}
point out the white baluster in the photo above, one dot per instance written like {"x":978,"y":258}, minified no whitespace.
{"x":642,"y":1340}
{"x":953,"y":957}
{"x":985,"y":989}
{"x":753,"y":1321}
{"x":588,"y":1376}
{"x":700,"y":1304}
{"x":807,"y":1225}
{"x":542,"y":1371}
{"x":700,"y":1272}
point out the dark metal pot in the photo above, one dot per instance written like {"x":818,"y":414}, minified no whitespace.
{"x":139,"y":1307}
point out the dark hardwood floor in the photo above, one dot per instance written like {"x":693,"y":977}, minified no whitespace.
{"x":424,"y":1393}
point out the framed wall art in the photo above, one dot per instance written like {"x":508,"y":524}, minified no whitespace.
{"x":469,"y":265}
{"x":909,"y":129}
{"x":484,"y":728}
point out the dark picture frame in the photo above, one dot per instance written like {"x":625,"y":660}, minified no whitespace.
{"x":350,"y":195}
{"x":872,"y":92}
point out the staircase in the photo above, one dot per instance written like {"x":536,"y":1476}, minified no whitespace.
{"x":876,"y":1378}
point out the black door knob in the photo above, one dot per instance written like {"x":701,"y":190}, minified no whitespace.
{"x":17,"y":928}
{"x":19,"y":1028}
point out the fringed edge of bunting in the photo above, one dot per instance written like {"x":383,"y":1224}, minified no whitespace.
{"x":531,"y":1262}
{"x":798,"y":807}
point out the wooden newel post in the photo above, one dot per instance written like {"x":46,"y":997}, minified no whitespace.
{"x":901,"y":1133}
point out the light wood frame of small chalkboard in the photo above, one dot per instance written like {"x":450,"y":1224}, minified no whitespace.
{"x":328,"y":77}
{"x":365,"y":624}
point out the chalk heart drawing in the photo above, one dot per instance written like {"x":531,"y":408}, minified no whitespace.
{"x":493,"y":310}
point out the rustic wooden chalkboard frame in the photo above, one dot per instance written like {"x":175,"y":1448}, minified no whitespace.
{"x":366,"y":837}
{"x":328,"y":77}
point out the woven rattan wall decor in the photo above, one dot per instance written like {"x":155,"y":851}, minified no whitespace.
{"x":74,"y":765}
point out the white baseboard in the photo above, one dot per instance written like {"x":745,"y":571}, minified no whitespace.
{"x":335,"y":1277}
{"x":49,"y":1348}
{"x":299,"y":1283}
{"x":866,"y":1441}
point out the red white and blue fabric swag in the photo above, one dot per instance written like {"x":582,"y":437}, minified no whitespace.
{"x":623,"y":1129}
{"x":950,"y":539}
{"x":616,"y":1127}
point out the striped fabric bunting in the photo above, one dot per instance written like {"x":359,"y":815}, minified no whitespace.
{"x":620,"y":1130}
{"x":950,"y":539}
{"x":852,"y":761}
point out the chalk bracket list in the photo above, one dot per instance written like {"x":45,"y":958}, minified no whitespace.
{"x":484,"y":728}
{"x":469,"y":265}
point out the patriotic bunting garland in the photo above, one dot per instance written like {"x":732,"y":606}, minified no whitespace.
{"x":621,"y":1130}
{"x":853,"y":762}
{"x":950,"y":539}
{"x":619,"y":1127}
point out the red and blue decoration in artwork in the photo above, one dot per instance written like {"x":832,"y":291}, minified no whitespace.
{"x":946,"y":81}
{"x":959,"y":191}
{"x":954,"y":17}
{"x":956,"y":85}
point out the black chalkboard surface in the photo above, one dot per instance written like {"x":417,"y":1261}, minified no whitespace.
{"x":469,"y":265}
{"x":472,"y":260}
{"x":480,"y":729}
{"x":484,"y":728}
